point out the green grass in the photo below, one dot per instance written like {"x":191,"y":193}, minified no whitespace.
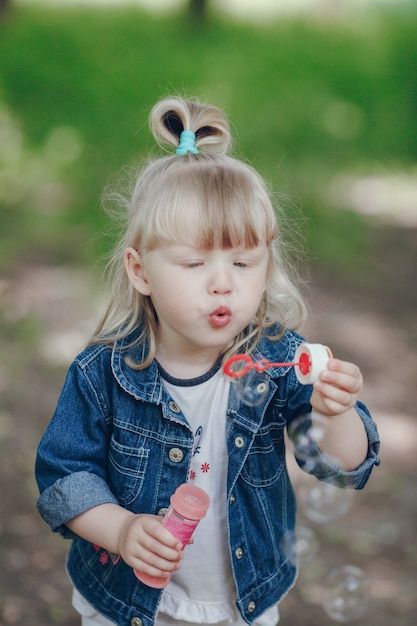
{"x":307,"y":101}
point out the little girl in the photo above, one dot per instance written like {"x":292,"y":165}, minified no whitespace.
{"x":198,"y":276}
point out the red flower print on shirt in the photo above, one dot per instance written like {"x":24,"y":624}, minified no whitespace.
{"x":205,"y":468}
{"x":192,"y":475}
{"x":104,"y":558}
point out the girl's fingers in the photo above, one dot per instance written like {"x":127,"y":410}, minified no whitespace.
{"x":154,"y":565}
{"x":148,"y":546}
{"x":343,"y":375}
{"x":340,"y":397}
{"x":338,"y":388}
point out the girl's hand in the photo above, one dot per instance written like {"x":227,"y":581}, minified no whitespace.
{"x":148,"y":547}
{"x":338,"y":388}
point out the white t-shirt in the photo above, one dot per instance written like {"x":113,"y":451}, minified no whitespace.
{"x":203,"y":590}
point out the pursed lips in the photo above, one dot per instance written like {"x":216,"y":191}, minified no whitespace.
{"x":220,"y":317}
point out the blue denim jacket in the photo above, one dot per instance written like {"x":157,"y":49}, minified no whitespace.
{"x":117,"y":436}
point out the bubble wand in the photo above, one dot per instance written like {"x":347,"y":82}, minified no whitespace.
{"x":310,"y":360}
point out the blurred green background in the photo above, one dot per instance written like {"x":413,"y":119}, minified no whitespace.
{"x":316,"y":102}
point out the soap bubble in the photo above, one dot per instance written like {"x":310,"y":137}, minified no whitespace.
{"x":346,"y":594}
{"x":307,"y":434}
{"x":252,"y":388}
{"x":324,"y":502}
{"x":300,"y":547}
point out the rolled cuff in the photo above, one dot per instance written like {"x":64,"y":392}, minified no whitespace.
{"x":71,"y":496}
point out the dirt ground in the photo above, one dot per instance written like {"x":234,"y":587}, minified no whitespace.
{"x":46,"y":314}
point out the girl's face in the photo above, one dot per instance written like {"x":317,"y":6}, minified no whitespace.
{"x":203,"y":298}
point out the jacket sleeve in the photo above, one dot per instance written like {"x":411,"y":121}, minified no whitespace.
{"x":72,"y":455}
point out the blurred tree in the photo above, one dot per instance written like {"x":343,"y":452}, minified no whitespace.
{"x":198,"y":11}
{"x":4,"y":6}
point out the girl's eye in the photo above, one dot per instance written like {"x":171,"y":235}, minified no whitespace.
{"x":192,"y":264}
{"x":240,"y":264}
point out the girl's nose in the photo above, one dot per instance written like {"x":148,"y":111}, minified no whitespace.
{"x":221,"y":290}
{"x":220,"y":283}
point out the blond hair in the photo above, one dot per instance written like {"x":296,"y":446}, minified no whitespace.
{"x":209,"y":198}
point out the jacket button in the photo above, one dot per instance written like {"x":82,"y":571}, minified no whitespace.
{"x":232,"y":499}
{"x":176,"y":455}
{"x":239,"y":442}
{"x":136,"y":621}
{"x":162,"y":512}
{"x":251,"y":606}
{"x":174,"y":407}
{"x":238,"y":553}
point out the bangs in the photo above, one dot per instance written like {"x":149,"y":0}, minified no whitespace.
{"x":210,"y":206}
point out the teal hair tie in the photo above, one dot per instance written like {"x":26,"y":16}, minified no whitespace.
{"x":187,"y":143}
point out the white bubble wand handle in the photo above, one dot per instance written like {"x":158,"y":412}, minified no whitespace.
{"x":311,"y":359}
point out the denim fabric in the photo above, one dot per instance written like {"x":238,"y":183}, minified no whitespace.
{"x":117,"y":436}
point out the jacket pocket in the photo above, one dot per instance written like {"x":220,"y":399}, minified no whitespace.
{"x":266,"y":459}
{"x":127,"y":470}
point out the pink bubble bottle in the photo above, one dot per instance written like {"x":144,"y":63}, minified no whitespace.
{"x":189,"y":505}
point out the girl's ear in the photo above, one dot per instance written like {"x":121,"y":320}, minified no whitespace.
{"x":136,"y":271}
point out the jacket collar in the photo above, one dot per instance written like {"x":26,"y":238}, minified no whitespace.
{"x":144,"y":384}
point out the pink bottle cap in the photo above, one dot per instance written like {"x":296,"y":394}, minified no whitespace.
{"x":190,"y":501}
